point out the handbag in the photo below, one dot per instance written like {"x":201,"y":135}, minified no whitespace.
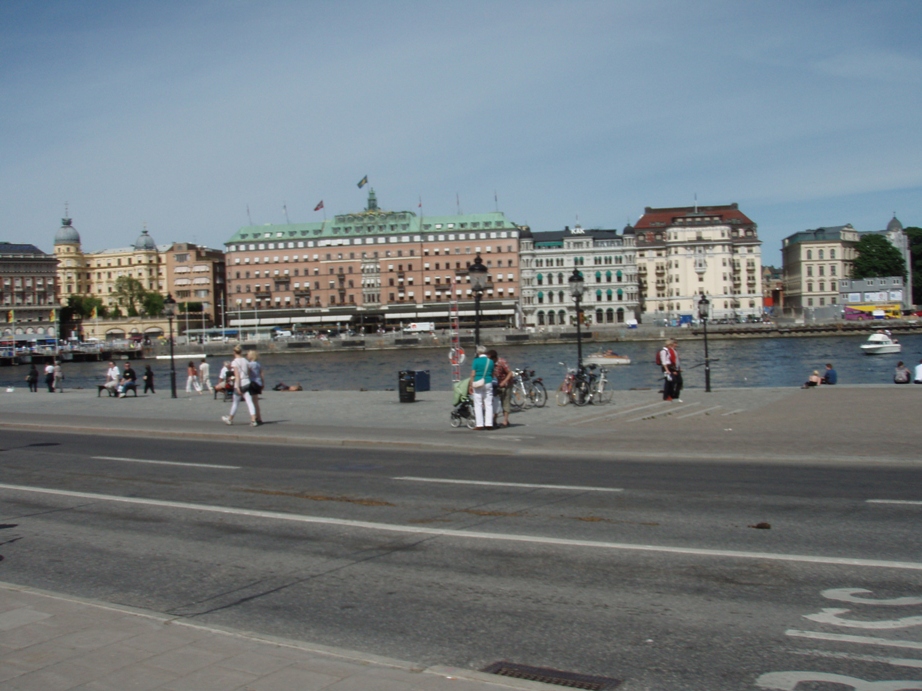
{"x":478,"y":383}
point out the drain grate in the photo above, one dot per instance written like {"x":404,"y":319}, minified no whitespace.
{"x":545,"y":675}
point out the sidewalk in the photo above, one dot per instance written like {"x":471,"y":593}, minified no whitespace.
{"x":51,"y":642}
{"x":828,"y":424}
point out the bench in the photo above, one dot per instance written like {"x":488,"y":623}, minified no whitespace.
{"x":102,"y":387}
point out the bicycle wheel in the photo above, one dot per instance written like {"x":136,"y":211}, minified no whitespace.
{"x":518,"y":397}
{"x":455,"y":420}
{"x":581,"y":393}
{"x":538,"y":394}
{"x":563,"y":394}
{"x":601,"y":394}
{"x":471,"y":421}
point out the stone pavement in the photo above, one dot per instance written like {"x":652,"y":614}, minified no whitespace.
{"x":51,"y":642}
{"x":828,"y":424}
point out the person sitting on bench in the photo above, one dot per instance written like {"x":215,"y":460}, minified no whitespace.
{"x":128,"y":382}
{"x":113,"y":377}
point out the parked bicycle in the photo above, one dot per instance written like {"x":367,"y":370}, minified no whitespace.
{"x":527,"y":391}
{"x":582,"y":386}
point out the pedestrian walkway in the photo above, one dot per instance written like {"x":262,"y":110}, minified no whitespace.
{"x":53,"y":642}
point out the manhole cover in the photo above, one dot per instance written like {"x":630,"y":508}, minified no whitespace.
{"x":545,"y":675}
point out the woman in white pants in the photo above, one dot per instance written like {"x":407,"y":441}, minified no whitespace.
{"x":241,"y":387}
{"x":482,"y":389}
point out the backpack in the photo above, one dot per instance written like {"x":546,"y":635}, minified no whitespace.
{"x":659,"y":357}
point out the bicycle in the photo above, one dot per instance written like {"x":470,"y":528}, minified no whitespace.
{"x":576,"y":387}
{"x":527,"y":392}
{"x":600,"y":393}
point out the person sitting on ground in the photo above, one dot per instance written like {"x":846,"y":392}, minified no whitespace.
{"x":830,"y":377}
{"x":282,"y":386}
{"x":902,"y":375}
{"x":814,"y":380}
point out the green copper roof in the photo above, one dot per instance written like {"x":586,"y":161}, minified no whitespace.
{"x":374,"y":221}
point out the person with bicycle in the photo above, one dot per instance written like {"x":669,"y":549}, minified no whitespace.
{"x":502,"y":375}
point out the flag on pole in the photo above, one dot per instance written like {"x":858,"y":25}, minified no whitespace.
{"x":420,"y":201}
{"x":53,"y":317}
{"x":363,"y":182}
{"x":10,"y":317}
{"x":93,"y":314}
{"x":319,"y":206}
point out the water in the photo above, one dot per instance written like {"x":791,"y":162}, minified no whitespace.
{"x":734,"y":363}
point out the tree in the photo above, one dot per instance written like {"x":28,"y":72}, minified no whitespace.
{"x":915,"y":253}
{"x":82,"y":306}
{"x":129,"y":292}
{"x":153,"y":304}
{"x":877,"y":258}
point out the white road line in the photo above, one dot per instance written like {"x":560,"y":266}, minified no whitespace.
{"x":849,"y":638}
{"x":699,"y":412}
{"x":190,"y":465}
{"x":510,"y":484}
{"x":895,"y":661}
{"x":475,"y":535}
{"x":606,"y":416}
{"x":734,"y":412}
{"x":894,"y":501}
{"x":657,"y":412}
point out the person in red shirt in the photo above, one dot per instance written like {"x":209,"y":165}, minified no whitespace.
{"x":502,"y":374}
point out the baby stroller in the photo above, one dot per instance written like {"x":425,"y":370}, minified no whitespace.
{"x":463,"y":412}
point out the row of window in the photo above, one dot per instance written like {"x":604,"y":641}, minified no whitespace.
{"x":819,"y":254}
{"x":381,"y":240}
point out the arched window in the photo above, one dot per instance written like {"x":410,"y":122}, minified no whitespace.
{"x":619,"y":276}
{"x":598,"y":296}
{"x":561,"y":296}
{"x":599,"y":315}
{"x":598,"y":276}
{"x":550,"y":319}
{"x":620,"y":315}
{"x":540,"y":297}
{"x":608,"y":294}
{"x":540,"y":279}
{"x":608,"y":276}
{"x":540,"y":318}
{"x":820,"y":255}
{"x":620,"y":295}
{"x":560,"y":279}
{"x":561,"y":317}
{"x":609,"y":315}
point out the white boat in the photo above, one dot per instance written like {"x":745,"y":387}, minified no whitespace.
{"x":606,"y":359}
{"x":880,"y":343}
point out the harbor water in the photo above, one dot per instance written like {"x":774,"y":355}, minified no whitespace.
{"x":734,"y":363}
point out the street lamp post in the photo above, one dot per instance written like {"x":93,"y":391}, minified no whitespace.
{"x":169,"y":309}
{"x":577,"y":288}
{"x":703,"y":313}
{"x":478,"y":275}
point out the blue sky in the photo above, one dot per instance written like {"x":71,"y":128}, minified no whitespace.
{"x":180,"y":115}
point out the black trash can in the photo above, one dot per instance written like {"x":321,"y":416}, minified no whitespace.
{"x":406,"y":385}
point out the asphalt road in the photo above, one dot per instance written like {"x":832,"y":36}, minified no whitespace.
{"x":651,"y":572}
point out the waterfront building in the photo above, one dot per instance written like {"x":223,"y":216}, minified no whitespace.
{"x":814,"y":261}
{"x":196,"y":274}
{"x":607,"y":262}
{"x":772,"y":289}
{"x":860,"y":298}
{"x":371,"y":268}
{"x":27,"y":293}
{"x":690,"y":251}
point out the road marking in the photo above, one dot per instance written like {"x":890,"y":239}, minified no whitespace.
{"x":895,"y":661}
{"x":830,"y":615}
{"x":734,"y":412}
{"x":190,"y":465}
{"x":510,"y":484}
{"x":606,"y":416}
{"x":670,"y":410}
{"x":850,"y":595}
{"x":475,"y":535}
{"x":894,"y":501}
{"x":850,"y":638}
{"x":699,"y":412}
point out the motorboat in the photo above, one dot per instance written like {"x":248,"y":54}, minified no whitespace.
{"x":881,"y":343}
{"x":607,"y":358}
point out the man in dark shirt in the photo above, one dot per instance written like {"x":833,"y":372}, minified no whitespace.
{"x":129,"y":379}
{"x":830,"y":377}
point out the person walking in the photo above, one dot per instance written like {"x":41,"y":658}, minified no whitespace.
{"x":49,"y":377}
{"x":502,"y":396}
{"x":666,"y":358}
{"x":481,"y":389}
{"x":677,"y":382}
{"x":148,"y":380}
{"x":32,"y":379}
{"x":241,"y":369}
{"x":192,"y":379}
{"x":58,"y":384}
{"x":204,"y":373}
{"x":256,"y":382}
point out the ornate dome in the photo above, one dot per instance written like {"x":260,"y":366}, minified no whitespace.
{"x":628,"y":230}
{"x":67,"y":235}
{"x":894,"y":224}
{"x":145,"y":242}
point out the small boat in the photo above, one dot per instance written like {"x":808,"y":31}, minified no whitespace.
{"x":606,"y":358}
{"x":881,"y":343}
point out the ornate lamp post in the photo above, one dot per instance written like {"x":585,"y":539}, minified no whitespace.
{"x":703,"y":313}
{"x":169,"y":309}
{"x":478,"y":275}
{"x":577,"y":288}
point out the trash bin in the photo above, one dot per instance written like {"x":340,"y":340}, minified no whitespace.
{"x":422,"y":380}
{"x":406,"y":385}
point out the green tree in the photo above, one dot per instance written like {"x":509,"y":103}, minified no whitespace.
{"x":82,"y":306}
{"x":915,"y":253}
{"x":152,"y":303}
{"x":877,"y":258}
{"x":129,"y":292}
